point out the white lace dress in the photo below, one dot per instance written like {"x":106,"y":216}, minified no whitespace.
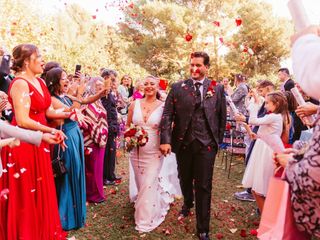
{"x":151,"y":202}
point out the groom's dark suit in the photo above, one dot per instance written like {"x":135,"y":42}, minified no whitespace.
{"x":194,"y":132}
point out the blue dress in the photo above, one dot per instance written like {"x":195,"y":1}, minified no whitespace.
{"x":71,"y":188}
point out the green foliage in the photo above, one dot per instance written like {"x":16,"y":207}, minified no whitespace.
{"x":69,"y":36}
{"x":152,"y":37}
{"x":273,"y":77}
{"x":266,"y":35}
{"x":157,"y":30}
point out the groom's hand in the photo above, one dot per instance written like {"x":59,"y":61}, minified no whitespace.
{"x":165,"y":149}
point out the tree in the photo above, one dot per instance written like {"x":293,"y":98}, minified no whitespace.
{"x":239,"y":36}
{"x":165,"y":33}
{"x":261,"y":43}
{"x":69,"y":36}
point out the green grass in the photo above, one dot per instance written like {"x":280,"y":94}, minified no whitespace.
{"x":114,"y":219}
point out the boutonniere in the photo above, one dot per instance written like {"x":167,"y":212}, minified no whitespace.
{"x":211,"y":91}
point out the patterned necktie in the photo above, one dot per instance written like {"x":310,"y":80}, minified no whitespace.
{"x":198,"y":94}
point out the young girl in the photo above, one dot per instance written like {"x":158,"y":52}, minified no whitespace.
{"x":261,"y":167}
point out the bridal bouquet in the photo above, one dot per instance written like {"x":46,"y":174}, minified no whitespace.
{"x":135,"y":136}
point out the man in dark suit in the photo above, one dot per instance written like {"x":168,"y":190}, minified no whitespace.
{"x":192,"y":125}
{"x":110,"y":104}
{"x":284,"y":77}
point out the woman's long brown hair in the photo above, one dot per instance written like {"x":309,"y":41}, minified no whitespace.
{"x":281,"y":103}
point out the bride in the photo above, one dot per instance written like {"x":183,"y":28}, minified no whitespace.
{"x":149,"y":187}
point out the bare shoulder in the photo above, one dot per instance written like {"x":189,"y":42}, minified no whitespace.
{"x":19,"y":86}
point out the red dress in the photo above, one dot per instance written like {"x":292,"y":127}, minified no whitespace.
{"x":29,"y":211}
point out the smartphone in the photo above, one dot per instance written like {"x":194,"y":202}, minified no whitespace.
{"x":78,"y":69}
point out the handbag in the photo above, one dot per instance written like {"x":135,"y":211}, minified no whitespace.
{"x":277,"y":221}
{"x":58,"y":167}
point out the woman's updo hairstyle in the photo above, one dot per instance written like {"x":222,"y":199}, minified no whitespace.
{"x":20,"y":54}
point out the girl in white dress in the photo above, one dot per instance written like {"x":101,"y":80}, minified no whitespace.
{"x":261,"y":167}
{"x":152,"y":202}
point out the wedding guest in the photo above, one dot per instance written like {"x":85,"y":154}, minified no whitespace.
{"x":70,"y":77}
{"x":20,"y":134}
{"x":101,"y":70}
{"x":292,"y":106}
{"x":5,"y":80}
{"x":33,"y":209}
{"x":95,"y":140}
{"x":302,"y":173}
{"x":239,"y":95}
{"x":71,"y":189}
{"x":130,"y":87}
{"x":227,"y":88}
{"x":110,"y":104}
{"x":5,"y":77}
{"x":286,"y":82}
{"x":264,"y":87}
{"x":305,"y":59}
{"x":123,"y":88}
{"x":5,"y":107}
{"x":138,"y":94}
{"x":47,"y":67}
{"x":260,"y":166}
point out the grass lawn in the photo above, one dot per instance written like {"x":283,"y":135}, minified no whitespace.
{"x":114,"y":219}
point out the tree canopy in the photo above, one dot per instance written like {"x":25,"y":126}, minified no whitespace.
{"x":155,"y":37}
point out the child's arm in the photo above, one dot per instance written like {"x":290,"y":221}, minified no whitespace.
{"x":266,"y":120}
{"x":249,"y":131}
{"x":255,"y":120}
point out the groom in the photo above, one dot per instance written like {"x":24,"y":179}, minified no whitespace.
{"x":192,"y":126}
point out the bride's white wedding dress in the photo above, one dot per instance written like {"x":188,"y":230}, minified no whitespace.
{"x":151,"y":191}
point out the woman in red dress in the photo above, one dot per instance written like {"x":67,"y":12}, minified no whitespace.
{"x":29,"y":210}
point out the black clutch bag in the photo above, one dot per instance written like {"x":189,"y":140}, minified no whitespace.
{"x":58,"y":167}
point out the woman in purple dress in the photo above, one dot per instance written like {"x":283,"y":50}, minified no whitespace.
{"x":95,"y":139}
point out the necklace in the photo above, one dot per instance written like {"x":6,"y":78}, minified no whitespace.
{"x":148,"y":110}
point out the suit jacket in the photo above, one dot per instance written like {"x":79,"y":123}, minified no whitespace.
{"x":239,"y":98}
{"x":179,"y":108}
{"x":110,"y":104}
{"x":288,"y":85}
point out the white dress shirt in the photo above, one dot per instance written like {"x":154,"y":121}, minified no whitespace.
{"x":201,"y":86}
